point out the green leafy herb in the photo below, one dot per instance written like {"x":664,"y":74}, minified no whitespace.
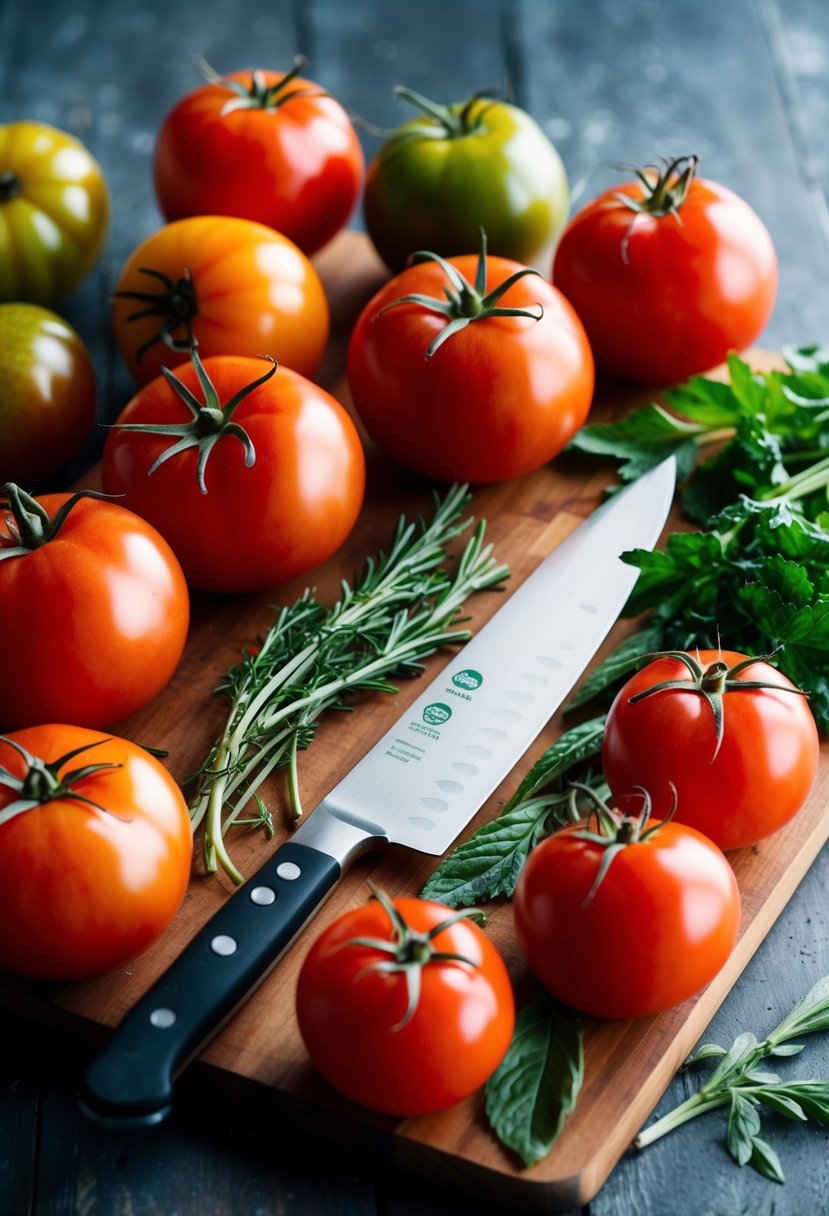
{"x":405,"y":606}
{"x":740,"y":1084}
{"x":488,"y":864}
{"x":536,"y":1085}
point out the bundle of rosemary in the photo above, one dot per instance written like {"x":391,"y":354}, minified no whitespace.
{"x":406,"y":604}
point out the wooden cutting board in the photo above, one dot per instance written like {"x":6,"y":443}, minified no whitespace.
{"x":259,"y":1054}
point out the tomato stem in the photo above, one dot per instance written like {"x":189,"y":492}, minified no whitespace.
{"x":463,"y":302}
{"x":664,"y":194}
{"x":27,"y":521}
{"x":42,"y":781}
{"x":211,"y":419}
{"x":712,"y":683}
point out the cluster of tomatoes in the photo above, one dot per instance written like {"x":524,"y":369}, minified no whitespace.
{"x":235,"y":471}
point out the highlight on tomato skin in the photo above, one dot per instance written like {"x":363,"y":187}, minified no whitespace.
{"x":377,"y":1044}
{"x":264,"y":485}
{"x":234,"y":286}
{"x":489,"y":382}
{"x":112,"y":611}
{"x":96,"y":871}
{"x":661,"y":732}
{"x":669,"y":273}
{"x":261,"y":145}
{"x":655,"y":930}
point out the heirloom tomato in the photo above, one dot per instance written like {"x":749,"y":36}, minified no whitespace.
{"x":266,"y":146}
{"x":731,"y":734}
{"x":95,"y":851}
{"x":54,"y":212}
{"x":47,"y":404}
{"x":236,"y":287}
{"x":627,"y":920}
{"x":470,"y":383}
{"x":405,"y":1007}
{"x":93,"y":611}
{"x":253,"y":474}
{"x":668,"y":274}
{"x":455,"y":169}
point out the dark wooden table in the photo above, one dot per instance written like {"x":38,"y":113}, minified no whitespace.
{"x":742,"y":83}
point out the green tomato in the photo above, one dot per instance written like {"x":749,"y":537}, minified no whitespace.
{"x":54,"y":212}
{"x":47,"y":393}
{"x":455,"y":169}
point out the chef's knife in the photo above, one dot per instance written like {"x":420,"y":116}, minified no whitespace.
{"x":419,"y":786}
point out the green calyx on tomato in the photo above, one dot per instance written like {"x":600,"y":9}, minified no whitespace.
{"x":211,"y":420}
{"x":464,"y":302}
{"x":617,"y":830}
{"x":42,"y":782}
{"x":28,"y":522}
{"x":666,"y":194}
{"x":712,"y":683}
{"x":260,"y":95}
{"x":409,"y":951}
{"x":454,"y":122}
{"x":175,"y":302}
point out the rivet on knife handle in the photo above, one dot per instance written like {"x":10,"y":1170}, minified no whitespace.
{"x":131,"y":1081}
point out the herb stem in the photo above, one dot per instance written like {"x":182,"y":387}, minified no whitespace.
{"x":697,"y":1104}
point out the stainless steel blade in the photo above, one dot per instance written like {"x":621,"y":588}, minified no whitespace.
{"x":433,"y":769}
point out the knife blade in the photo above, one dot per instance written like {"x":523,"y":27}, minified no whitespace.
{"x":418,"y":786}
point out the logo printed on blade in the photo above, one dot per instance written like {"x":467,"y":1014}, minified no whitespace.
{"x":468,"y":679}
{"x":436,"y":714}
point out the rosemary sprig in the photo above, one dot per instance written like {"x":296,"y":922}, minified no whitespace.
{"x":740,"y":1084}
{"x":406,"y":605}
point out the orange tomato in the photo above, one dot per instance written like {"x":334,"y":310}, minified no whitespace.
{"x":235,"y":286}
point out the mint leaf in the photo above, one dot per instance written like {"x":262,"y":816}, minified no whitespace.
{"x":536,"y":1085}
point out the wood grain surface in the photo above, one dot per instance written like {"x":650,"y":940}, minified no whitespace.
{"x":628,"y":1065}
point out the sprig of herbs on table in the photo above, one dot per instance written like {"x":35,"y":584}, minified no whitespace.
{"x":406,"y":605}
{"x":757,"y":571}
{"x":739,"y":1083}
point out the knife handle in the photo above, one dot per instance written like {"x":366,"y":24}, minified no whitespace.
{"x":131,"y":1081}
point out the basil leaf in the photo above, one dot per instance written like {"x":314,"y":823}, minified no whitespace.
{"x":627,"y":655}
{"x":576,"y":745}
{"x":536,"y":1085}
{"x":488,"y":864}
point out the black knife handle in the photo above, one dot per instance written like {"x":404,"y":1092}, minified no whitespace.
{"x":131,"y":1081}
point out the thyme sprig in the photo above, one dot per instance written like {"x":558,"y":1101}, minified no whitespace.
{"x":740,"y":1084}
{"x":405,"y":606}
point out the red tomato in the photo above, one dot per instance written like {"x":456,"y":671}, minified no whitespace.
{"x":499,"y":397}
{"x":92,"y":621}
{"x":256,"y":523}
{"x":667,"y":289}
{"x":98,"y":868}
{"x":754,"y":783}
{"x":266,"y":146}
{"x":47,"y":407}
{"x":659,"y":927}
{"x":237,"y":287}
{"x":355,"y":1019}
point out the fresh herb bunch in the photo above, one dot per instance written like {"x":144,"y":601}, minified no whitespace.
{"x":740,"y":1084}
{"x":404,"y":607}
{"x":758,"y":571}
